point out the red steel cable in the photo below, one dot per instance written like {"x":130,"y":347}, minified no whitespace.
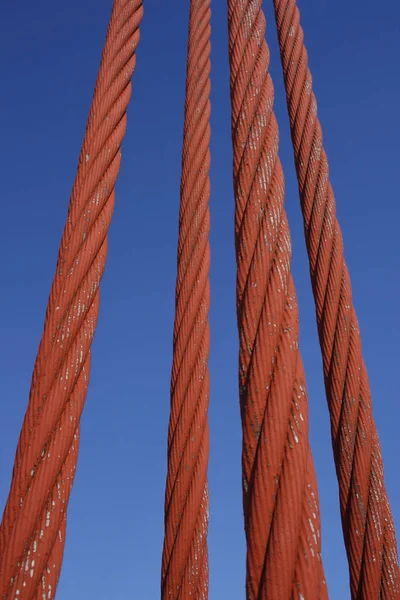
{"x":33,"y":528}
{"x":366,"y":516}
{"x":280,"y":498}
{"x":185,"y":554}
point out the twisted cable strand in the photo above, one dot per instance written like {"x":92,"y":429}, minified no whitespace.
{"x":33,"y":527}
{"x":366,"y":515}
{"x":185,"y":554}
{"x":280,"y":497}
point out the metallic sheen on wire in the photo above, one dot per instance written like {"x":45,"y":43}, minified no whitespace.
{"x":366,"y":515}
{"x":32,"y":532}
{"x":185,"y":555}
{"x":280,"y":498}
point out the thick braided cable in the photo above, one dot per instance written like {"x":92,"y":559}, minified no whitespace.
{"x":366,"y":516}
{"x":33,"y":526}
{"x":280,"y":498}
{"x":185,"y":554}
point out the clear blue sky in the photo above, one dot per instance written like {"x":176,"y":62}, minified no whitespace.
{"x":49,"y":59}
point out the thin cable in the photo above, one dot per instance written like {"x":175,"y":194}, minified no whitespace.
{"x":366,"y":516}
{"x":280,"y":498}
{"x":32,"y":532}
{"x":185,"y":554}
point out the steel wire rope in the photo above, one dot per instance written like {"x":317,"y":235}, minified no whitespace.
{"x":367,"y":521}
{"x":185,"y":553}
{"x":32,"y":532}
{"x":280,"y":497}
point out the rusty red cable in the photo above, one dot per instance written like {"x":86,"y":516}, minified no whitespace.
{"x":33,"y":528}
{"x":280,"y":498}
{"x":366,"y":516}
{"x":185,"y":554}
